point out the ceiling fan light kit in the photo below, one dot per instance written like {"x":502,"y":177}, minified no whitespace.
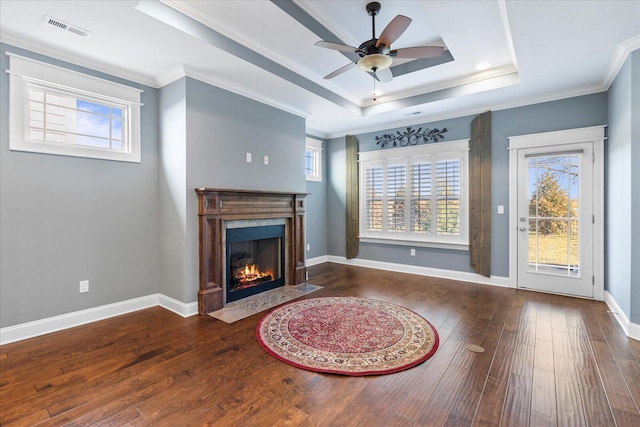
{"x":375,"y":62}
{"x":376,"y":55}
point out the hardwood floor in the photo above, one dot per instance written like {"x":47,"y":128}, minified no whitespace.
{"x":548,"y":360}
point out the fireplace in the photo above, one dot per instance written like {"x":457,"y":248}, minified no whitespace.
{"x":254,"y":259}
{"x":226,"y":220}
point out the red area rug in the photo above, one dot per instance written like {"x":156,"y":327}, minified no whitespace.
{"x":349,"y":336}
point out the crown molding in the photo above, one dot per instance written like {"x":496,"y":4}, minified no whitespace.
{"x":257,"y":46}
{"x":221,"y":83}
{"x":490,"y":74}
{"x":315,"y":133}
{"x":170,"y":76}
{"x":35,"y":47}
{"x":430,"y":118}
{"x":327,"y":22}
{"x":619,"y":57}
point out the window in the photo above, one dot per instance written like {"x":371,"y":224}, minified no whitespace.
{"x":415,"y":195}
{"x":313,"y":160}
{"x":58,"y":111}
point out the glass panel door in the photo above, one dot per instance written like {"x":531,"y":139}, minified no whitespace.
{"x":555,"y":215}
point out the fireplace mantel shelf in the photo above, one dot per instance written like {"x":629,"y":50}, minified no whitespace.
{"x":215,"y":206}
{"x":241,"y":191}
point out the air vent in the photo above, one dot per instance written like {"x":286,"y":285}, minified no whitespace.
{"x":55,"y":22}
{"x":67,"y":27}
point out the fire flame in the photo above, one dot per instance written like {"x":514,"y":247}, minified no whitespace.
{"x":251,"y":273}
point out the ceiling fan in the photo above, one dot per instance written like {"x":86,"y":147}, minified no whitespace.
{"x":376,"y":55}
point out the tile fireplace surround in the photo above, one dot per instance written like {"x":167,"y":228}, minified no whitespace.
{"x":217,"y":206}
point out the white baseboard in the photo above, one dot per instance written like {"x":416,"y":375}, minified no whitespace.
{"x":462,"y":276}
{"x":317,"y":260}
{"x":69,"y":320}
{"x":631,"y":329}
{"x":178,"y":307}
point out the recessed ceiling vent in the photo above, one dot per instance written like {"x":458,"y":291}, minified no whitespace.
{"x":67,"y":27}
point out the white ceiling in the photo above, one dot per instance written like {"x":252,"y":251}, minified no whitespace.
{"x":538,"y":51}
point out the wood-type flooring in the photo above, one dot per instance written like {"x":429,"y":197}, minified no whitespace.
{"x":548,"y":360}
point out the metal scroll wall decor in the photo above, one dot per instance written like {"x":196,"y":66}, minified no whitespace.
{"x":411,"y":137}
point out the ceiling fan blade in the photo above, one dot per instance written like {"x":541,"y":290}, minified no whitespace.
{"x":384,"y":75}
{"x":396,"y":27}
{"x":340,"y":70}
{"x":337,"y":46}
{"x":418,"y":52}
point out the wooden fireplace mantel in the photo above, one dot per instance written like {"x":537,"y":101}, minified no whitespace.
{"x":217,"y":205}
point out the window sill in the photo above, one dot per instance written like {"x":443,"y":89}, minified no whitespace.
{"x":73,"y":151}
{"x":418,"y":243}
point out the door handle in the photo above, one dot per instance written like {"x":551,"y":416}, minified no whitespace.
{"x":524,"y":228}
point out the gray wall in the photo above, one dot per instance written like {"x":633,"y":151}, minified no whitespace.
{"x":131,"y":229}
{"x":209,"y":143}
{"x":622,"y":204}
{"x":172,"y":189}
{"x":316,"y":215}
{"x":66,"y":219}
{"x":335,"y":155}
{"x":570,"y":113}
{"x":634,"y":316}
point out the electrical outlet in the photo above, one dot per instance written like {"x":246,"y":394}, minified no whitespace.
{"x":84,"y":286}
{"x":413,"y":252}
{"x":248,"y":157}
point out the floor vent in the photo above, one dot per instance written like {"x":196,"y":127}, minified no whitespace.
{"x":475,"y":348}
{"x":67,"y":27}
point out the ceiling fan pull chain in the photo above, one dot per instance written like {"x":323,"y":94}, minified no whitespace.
{"x":374,"y":89}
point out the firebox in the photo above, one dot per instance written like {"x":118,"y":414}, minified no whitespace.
{"x":255,"y":260}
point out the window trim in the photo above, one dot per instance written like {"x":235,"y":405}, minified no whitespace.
{"x":25,"y":71}
{"x":314,"y":146}
{"x":460,"y":242}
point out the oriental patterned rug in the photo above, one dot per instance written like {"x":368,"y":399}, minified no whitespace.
{"x":349,"y":336}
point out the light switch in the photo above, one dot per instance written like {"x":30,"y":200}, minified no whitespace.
{"x":501,"y":209}
{"x":266,"y":160}
{"x":248,"y":157}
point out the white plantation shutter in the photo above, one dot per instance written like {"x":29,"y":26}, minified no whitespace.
{"x":396,"y":192}
{"x":373,"y":193}
{"x":448,"y":197}
{"x":420,"y":194}
{"x":419,"y":197}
